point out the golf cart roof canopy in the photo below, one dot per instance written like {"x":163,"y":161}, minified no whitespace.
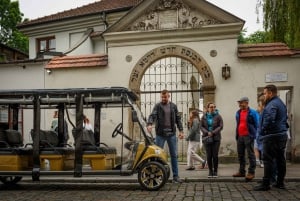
{"x":56,"y":96}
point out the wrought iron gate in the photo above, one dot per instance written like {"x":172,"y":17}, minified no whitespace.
{"x":183,"y":81}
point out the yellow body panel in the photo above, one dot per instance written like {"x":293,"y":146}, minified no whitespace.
{"x":14,"y":162}
{"x":153,"y":151}
{"x":101,"y":161}
{"x":58,"y":162}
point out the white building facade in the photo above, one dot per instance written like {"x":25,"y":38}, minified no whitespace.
{"x":150,"y":45}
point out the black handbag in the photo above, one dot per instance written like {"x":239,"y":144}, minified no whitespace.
{"x":208,"y":140}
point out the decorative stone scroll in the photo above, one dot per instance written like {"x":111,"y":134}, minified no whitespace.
{"x":171,"y":14}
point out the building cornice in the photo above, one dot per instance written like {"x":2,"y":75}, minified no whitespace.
{"x":212,"y":32}
{"x":63,"y":26}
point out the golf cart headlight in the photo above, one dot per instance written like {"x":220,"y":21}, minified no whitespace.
{"x":157,"y":151}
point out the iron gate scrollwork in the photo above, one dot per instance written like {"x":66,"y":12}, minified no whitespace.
{"x":182,"y":79}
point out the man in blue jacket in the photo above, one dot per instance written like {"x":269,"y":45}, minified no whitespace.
{"x":273,"y":133}
{"x":247,"y":123}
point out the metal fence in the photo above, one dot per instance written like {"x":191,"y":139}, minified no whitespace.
{"x":183,"y":81}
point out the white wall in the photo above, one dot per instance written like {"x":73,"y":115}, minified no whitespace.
{"x":246,"y":76}
{"x":68,"y":39}
{"x":30,"y":77}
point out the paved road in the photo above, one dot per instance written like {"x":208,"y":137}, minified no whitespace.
{"x":115,"y":188}
{"x":188,"y":191}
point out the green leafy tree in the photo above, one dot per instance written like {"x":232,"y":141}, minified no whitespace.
{"x":10,"y":16}
{"x":282,"y":20}
{"x":242,"y":37}
{"x":257,"y":37}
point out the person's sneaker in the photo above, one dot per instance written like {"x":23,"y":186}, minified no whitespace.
{"x":261,"y":164}
{"x":261,"y":187}
{"x":238,"y":174}
{"x":280,"y":186}
{"x":258,"y":163}
{"x":190,"y":168}
{"x":215,"y":175}
{"x":203,"y":164}
{"x":177,"y":180}
{"x":210,"y":175}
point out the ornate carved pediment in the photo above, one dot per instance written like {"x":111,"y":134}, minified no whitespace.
{"x":171,"y":14}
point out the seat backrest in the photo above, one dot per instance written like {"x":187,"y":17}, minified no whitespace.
{"x":47,"y":138}
{"x":3,"y":140}
{"x":51,"y":137}
{"x":87,"y":137}
{"x":14,"y":138}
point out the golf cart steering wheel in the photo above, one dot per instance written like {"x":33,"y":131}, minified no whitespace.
{"x":118,"y":130}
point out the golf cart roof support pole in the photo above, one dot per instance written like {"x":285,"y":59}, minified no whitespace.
{"x":97,"y":124}
{"x":61,"y":120}
{"x":36,"y":138}
{"x":78,"y":135}
{"x":15,"y":119}
{"x":122,"y":128}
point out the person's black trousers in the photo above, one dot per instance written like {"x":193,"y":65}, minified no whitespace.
{"x":245,"y":143}
{"x":274,"y":148}
{"x":212,"y":156}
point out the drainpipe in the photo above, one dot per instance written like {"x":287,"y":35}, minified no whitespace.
{"x":103,"y":18}
{"x":85,"y":36}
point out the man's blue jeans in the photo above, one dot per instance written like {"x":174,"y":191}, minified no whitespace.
{"x":172,"y":144}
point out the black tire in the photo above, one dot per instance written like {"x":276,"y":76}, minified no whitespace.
{"x":168,"y":170}
{"x":10,"y":180}
{"x":152,"y":175}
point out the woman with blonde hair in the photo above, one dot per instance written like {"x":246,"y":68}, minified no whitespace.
{"x":194,"y":141}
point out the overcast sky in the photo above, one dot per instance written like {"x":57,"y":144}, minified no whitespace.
{"x":244,"y":9}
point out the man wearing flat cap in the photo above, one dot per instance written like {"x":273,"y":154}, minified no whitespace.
{"x":247,"y":124}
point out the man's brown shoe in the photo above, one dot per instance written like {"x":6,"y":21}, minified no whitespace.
{"x":238,"y":174}
{"x":249,"y":176}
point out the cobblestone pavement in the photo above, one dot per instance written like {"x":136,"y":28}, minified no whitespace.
{"x":188,"y":191}
{"x":126,"y":188}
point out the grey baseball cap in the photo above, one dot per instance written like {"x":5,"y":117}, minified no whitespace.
{"x":243,"y":99}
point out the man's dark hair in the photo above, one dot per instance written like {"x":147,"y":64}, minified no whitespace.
{"x":165,"y":91}
{"x":272,"y":88}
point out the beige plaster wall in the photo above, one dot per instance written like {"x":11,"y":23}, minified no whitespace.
{"x":31,"y":77}
{"x":246,"y":76}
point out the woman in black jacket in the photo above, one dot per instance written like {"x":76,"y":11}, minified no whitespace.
{"x":211,"y":125}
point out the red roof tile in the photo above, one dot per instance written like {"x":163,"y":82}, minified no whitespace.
{"x":92,"y":8}
{"x":296,"y":52}
{"x":83,"y":61}
{"x":264,"y":50}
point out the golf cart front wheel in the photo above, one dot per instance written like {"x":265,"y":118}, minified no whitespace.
{"x":152,"y":175}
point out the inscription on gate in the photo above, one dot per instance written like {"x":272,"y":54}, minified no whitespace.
{"x":166,"y":51}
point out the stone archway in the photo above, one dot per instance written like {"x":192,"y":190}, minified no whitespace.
{"x":208,"y":86}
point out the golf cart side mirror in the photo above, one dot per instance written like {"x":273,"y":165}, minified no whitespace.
{"x":134,"y":116}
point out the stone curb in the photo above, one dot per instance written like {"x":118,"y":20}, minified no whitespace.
{"x":134,"y":180}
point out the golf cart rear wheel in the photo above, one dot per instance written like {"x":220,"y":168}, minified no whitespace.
{"x":152,"y":176}
{"x":9,"y":180}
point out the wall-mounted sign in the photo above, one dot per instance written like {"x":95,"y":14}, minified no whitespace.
{"x":276,"y":77}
